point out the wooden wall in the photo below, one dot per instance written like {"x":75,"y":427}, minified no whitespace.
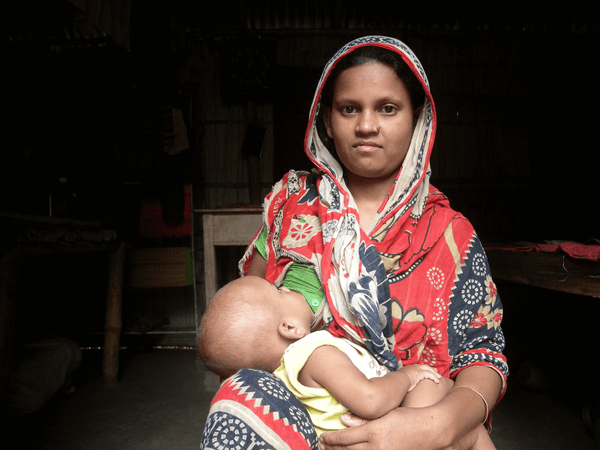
{"x":514,"y":117}
{"x":486,"y":93}
{"x":478,"y":84}
{"x":223,"y":126}
{"x":493,"y":93}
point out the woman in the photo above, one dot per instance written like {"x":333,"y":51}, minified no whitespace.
{"x":400,"y":269}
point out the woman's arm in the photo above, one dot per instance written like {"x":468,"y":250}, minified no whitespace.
{"x":434,"y":427}
{"x":258,"y":266}
{"x":487,"y":382}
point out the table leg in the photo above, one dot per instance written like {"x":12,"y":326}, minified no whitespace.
{"x":112,"y":324}
{"x":210,"y":263}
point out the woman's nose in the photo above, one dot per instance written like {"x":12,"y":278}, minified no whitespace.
{"x":367,"y":123}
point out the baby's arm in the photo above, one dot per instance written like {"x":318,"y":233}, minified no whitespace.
{"x":332,"y":369}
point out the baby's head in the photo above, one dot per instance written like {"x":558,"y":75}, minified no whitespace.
{"x":249,"y":323}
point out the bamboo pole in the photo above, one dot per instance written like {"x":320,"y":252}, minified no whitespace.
{"x":112,"y":324}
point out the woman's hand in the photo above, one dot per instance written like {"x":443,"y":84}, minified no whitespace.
{"x":352,"y":420}
{"x":402,"y":428}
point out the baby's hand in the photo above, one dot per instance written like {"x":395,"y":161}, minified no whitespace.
{"x":418,"y":372}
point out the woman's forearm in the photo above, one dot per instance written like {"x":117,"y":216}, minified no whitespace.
{"x":434,"y":427}
{"x":463,"y":409}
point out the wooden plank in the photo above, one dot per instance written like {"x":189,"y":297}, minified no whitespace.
{"x":31,"y":219}
{"x":157,"y":267}
{"x":235,"y":229}
{"x":554,"y":271}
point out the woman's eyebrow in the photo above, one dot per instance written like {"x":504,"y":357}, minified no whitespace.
{"x":384,"y":99}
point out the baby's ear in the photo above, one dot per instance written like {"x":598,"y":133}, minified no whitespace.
{"x":290,"y":329}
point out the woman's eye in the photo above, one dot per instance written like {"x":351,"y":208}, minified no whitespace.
{"x":348,"y":109}
{"x":388,"y":109}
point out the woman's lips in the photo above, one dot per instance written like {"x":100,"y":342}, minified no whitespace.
{"x":367,"y":146}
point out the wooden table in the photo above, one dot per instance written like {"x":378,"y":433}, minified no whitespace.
{"x":225,"y":227}
{"x":556,"y":271}
{"x":24,"y":235}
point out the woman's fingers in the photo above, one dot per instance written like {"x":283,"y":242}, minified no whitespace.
{"x":362,"y":446}
{"x":352,"y":420}
{"x":342,"y":440}
{"x":356,"y":437}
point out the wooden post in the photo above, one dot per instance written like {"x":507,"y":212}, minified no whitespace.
{"x":9,"y":270}
{"x":112,"y":324}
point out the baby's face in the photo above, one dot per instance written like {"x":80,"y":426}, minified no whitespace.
{"x":294,"y":304}
{"x":291,"y":302}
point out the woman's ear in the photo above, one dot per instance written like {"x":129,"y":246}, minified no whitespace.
{"x":416,"y":114}
{"x":291,"y":329}
{"x":327,"y":121}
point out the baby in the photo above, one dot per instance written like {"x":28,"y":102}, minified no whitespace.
{"x":251,"y":323}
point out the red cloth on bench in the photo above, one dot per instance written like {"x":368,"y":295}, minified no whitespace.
{"x":573,"y":249}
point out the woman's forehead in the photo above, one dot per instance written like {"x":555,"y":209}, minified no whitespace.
{"x":370,"y":80}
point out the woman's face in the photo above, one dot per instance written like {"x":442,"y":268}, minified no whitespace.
{"x":370,"y":121}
